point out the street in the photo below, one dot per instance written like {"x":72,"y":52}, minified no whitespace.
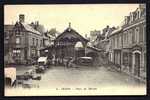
{"x":85,"y":76}
{"x":104,"y":79}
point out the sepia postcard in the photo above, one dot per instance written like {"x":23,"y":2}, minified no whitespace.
{"x":75,"y":49}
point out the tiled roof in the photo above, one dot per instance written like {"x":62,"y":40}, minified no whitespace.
{"x":115,"y":31}
{"x":30,"y":29}
{"x":72,"y":31}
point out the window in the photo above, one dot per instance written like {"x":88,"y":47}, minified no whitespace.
{"x":144,"y":61}
{"x":137,"y":14}
{"x":117,"y":41}
{"x":144,"y":33}
{"x":36,"y":42}
{"x":125,"y":58}
{"x":127,"y":40}
{"x":17,"y":40}
{"x":33,"y":52}
{"x":16,"y":52}
{"x":130,"y":36}
{"x":141,"y":34}
{"x":113,"y":42}
{"x":133,"y":37}
{"x":120,"y":42}
{"x":137,"y":34}
{"x":124,"y":38}
{"x":33,"y":41}
{"x":143,"y":12}
{"x":41,"y":43}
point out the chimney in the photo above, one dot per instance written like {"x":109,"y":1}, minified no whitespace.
{"x":37,"y":23}
{"x":21,"y":18}
{"x":69,"y":25}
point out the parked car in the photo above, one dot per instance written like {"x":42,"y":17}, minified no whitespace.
{"x":40,"y":69}
{"x":27,"y":75}
{"x":36,"y":77}
{"x":84,"y":61}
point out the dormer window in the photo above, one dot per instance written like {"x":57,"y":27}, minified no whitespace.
{"x":138,"y":15}
{"x":143,"y":12}
{"x":131,"y":17}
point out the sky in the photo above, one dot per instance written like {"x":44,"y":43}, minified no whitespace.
{"x":83,"y":17}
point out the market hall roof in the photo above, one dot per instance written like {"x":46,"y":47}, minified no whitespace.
{"x":70,"y":33}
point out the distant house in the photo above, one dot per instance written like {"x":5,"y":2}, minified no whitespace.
{"x":102,"y":40}
{"x":94,"y":34}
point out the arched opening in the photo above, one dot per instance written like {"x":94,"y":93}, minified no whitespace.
{"x":8,"y":82}
{"x":79,"y":49}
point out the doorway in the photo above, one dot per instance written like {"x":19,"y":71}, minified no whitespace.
{"x":137,"y":65}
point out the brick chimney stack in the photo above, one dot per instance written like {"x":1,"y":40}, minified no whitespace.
{"x":21,"y":18}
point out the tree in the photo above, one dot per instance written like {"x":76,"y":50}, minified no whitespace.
{"x":53,"y":32}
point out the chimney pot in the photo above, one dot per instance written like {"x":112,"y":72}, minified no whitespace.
{"x":21,"y":18}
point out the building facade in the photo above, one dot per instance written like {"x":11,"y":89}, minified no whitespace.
{"x":128,"y":44}
{"x":65,"y":45}
{"x":25,"y":42}
{"x":115,"y":48}
{"x":7,"y":35}
{"x":94,"y":34}
{"x":134,"y":42}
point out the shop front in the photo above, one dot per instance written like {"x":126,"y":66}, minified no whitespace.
{"x":127,"y":60}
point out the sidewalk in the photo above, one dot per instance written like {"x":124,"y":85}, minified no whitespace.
{"x":127,"y":73}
